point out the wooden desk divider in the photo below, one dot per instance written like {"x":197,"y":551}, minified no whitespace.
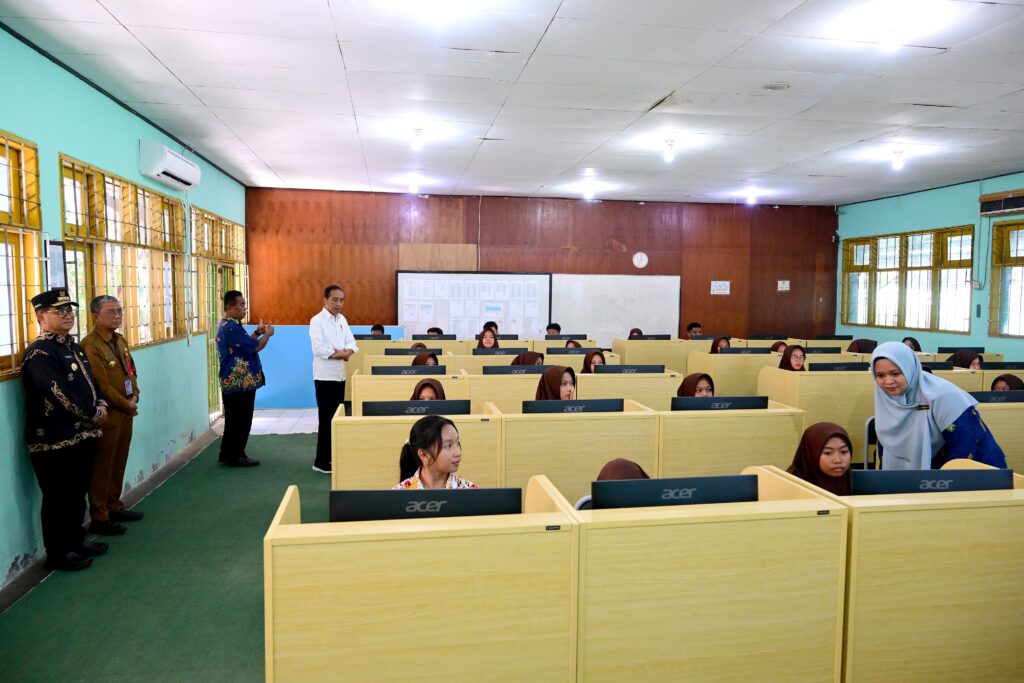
{"x":671,"y":352}
{"x":734,"y":375}
{"x":542,"y":345}
{"x":497,"y":594}
{"x":399,"y":387}
{"x":697,"y":443}
{"x":654,"y":390}
{"x":507,"y":392}
{"x":968,"y":380}
{"x":1006,"y":422}
{"x":933,"y":584}
{"x":989,"y":376}
{"x":724,"y":592}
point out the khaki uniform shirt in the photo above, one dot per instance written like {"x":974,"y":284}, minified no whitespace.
{"x":114,"y":369}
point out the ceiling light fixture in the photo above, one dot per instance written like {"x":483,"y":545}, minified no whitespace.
{"x":898,"y":160}
{"x":892,"y":24}
{"x":669,"y":152}
{"x":751,"y":199}
{"x":417,"y":139}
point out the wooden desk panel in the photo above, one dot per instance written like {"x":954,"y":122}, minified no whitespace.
{"x":711,"y":442}
{"x":1006,"y":421}
{"x":365,"y":450}
{"x":654,"y":390}
{"x":506,"y":392}
{"x":989,"y":376}
{"x":733,"y":375}
{"x":758,"y":343}
{"x":671,"y":353}
{"x":968,"y":380}
{"x":542,"y":345}
{"x":400,"y":388}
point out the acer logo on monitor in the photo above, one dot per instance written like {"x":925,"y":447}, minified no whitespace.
{"x":425,"y":505}
{"x":677,"y":494}
{"x":936,"y":484}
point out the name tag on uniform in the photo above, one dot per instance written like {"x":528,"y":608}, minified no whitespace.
{"x":128,"y":387}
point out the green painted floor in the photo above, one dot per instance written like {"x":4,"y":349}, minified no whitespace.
{"x":180,"y":596}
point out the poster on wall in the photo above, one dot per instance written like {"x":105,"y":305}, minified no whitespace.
{"x":56,"y":270}
{"x":720,"y":287}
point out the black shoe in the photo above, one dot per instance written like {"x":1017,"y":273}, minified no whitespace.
{"x":244,"y":461}
{"x":91,"y":548}
{"x":69,"y":562}
{"x":105,"y":528}
{"x":125,"y":515}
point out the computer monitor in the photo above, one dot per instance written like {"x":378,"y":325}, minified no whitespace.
{"x":627,"y":369}
{"x":361,"y":506}
{"x":377,"y":408}
{"x":426,"y":337}
{"x":1003,"y":365}
{"x":500,"y":352}
{"x":954,"y":349}
{"x":503,"y":337}
{"x":632,"y":493}
{"x":515,"y":369}
{"x":765,"y":337}
{"x":738,"y":351}
{"x":874,"y":482}
{"x":838,"y":367}
{"x":556,"y":351}
{"x":998,"y":396}
{"x":411,"y":352}
{"x":593,"y":405}
{"x":834,"y":336}
{"x":940,"y":365}
{"x":364,"y":337}
{"x":651,"y":337}
{"x":708,"y":337}
{"x":409,"y":370}
{"x":564,"y":337}
{"x":719,"y":402}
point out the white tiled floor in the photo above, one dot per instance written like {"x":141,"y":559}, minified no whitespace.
{"x":291,"y":421}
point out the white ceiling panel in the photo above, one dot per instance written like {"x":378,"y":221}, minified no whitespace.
{"x":406,"y":86}
{"x":723,"y":15}
{"x":80,"y":10}
{"x":914,"y":91}
{"x":522,"y":131}
{"x":417,"y":112}
{"x":438,"y":61}
{"x":272,"y":78}
{"x":765,"y":104}
{"x":657,"y":122}
{"x":980,"y":118}
{"x":618,"y":73}
{"x":861,"y":111}
{"x":1014,"y":102}
{"x":573,"y":118}
{"x":787,"y":53}
{"x":244,"y":98}
{"x":119,"y":69}
{"x":1004,"y":38}
{"x":274,"y":118}
{"x":970,"y":65}
{"x":234,"y":48}
{"x":584,"y":97}
{"x":752,"y":81}
{"x":292,"y":19}
{"x":75,"y":37}
{"x":157,"y":93}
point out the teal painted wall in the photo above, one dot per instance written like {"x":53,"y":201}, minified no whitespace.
{"x":940,"y":208}
{"x":59,"y":113}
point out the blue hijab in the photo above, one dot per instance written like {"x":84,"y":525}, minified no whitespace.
{"x":910,"y":425}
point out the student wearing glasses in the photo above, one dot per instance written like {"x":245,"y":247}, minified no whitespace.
{"x":793,"y":358}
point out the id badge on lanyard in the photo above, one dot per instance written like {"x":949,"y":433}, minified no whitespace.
{"x":128,"y":387}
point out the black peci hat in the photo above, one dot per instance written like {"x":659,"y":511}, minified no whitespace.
{"x":52,"y":298}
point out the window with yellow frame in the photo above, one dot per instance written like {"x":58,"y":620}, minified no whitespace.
{"x":21,"y":261}
{"x":127,"y":241}
{"x":916,"y":280}
{"x":1006,"y":308}
{"x":218,"y":252}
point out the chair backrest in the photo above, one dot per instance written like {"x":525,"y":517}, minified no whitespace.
{"x":871,"y":439}
{"x":585,"y":503}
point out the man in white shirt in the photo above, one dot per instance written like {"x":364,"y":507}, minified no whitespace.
{"x":333,"y":345}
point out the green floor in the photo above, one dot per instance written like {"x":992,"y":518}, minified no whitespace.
{"x":180,"y":596}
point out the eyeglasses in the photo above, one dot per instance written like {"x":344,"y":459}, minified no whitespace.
{"x":796,"y":357}
{"x":64,"y":312}
{"x":114,"y":312}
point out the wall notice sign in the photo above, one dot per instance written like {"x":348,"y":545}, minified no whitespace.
{"x":720,"y":287}
{"x":783,"y":285}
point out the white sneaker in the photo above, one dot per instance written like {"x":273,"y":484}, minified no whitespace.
{"x":317,"y":469}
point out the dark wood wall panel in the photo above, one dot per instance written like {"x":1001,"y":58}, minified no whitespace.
{"x":298,"y":240}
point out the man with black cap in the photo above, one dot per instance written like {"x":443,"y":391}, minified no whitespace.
{"x":63,"y":414}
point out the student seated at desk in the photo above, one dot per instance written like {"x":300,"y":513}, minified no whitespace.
{"x":912,"y":343}
{"x":528,"y":358}
{"x":435,"y":331}
{"x":424,"y":359}
{"x":572,"y":344}
{"x":924,"y":421}
{"x":591,"y":359}
{"x":418,"y":345}
{"x":558,"y":383}
{"x":636,"y":332}
{"x":720,"y":343}
{"x":491,"y":325}
{"x":1008,"y":383}
{"x":431,"y":456}
{"x":377,"y":330}
{"x":823,"y":458}
{"x":618,"y":469}
{"x":862,"y":346}
{"x":966,"y":359}
{"x":428,"y":390}
{"x":793,"y":358}
{"x":698,"y":384}
{"x":694,"y":329}
{"x":779,"y":347}
{"x":488,"y":339}
{"x":553,"y":328}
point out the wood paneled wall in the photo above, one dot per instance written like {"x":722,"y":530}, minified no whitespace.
{"x":300,"y":240}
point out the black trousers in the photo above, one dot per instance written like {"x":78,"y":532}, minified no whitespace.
{"x":238,"y":409}
{"x":329,"y":395}
{"x":64,"y":476}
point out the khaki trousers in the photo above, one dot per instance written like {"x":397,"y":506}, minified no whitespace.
{"x":108,"y":468}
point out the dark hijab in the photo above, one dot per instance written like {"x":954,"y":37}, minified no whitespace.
{"x":914,"y":344}
{"x":689,"y":385}
{"x":1015,"y":382}
{"x":808,"y":456}
{"x":620,"y":468}
{"x":430,"y":382}
{"x":714,"y":344}
{"x":964,"y":357}
{"x":862,"y":346}
{"x":550,"y":384}
{"x":588,"y":358}
{"x":635,"y":331}
{"x":779,"y":346}
{"x":480,"y":341}
{"x":528,"y":358}
{"x":422,"y":358}
{"x":786,"y":363}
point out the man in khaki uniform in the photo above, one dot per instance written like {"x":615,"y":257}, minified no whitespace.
{"x":115,"y":374}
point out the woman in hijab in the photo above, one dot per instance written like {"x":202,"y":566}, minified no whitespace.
{"x":912,"y":343}
{"x":636,"y":332}
{"x":573,"y":344}
{"x":591,"y":359}
{"x":558,"y":383}
{"x":720,"y":343}
{"x":418,"y":345}
{"x":698,"y":384}
{"x":793,"y":358}
{"x":823,"y":458}
{"x":861,"y":346}
{"x":488,"y":339}
{"x":779,"y":347}
{"x":1008,"y":383}
{"x":424,"y":359}
{"x":528,"y":358}
{"x":967,"y":359}
{"x":428,"y":390}
{"x":619,"y":469}
{"x":923,"y":421}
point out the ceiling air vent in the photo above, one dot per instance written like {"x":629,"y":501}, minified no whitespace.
{"x":1002,"y":203}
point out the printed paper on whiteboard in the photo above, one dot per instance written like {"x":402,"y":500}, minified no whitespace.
{"x":501,"y":291}
{"x":456,"y":308}
{"x":441,"y":290}
{"x":494,"y":311}
{"x":427,"y":289}
{"x":472,"y":308}
{"x":532,"y":308}
{"x":515,"y":309}
{"x":409,"y":311}
{"x":486,"y":291}
{"x":720,"y":287}
{"x":455,"y":291}
{"x":426,"y":311}
{"x":412,"y":289}
{"x":459,"y":327}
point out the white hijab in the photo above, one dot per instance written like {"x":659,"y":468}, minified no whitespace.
{"x":910,"y":425}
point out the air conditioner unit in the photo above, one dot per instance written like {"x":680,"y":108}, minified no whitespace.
{"x":170,"y":168}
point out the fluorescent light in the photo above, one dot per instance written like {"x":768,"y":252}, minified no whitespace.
{"x":894,"y":23}
{"x":751,"y":199}
{"x":417,"y":139}
{"x":898,"y":160}
{"x":670,"y":152}
{"x":589,"y":172}
{"x":588,"y":192}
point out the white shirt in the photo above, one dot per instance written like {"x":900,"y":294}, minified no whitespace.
{"x":329,"y":333}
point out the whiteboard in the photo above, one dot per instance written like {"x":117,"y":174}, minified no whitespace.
{"x":607,"y":306}
{"x":461,"y":302}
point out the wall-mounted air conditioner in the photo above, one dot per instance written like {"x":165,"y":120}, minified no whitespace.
{"x":170,"y":168}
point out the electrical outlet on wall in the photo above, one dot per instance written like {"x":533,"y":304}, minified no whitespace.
{"x":976,"y":284}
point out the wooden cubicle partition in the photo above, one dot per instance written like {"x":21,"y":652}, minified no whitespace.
{"x":495,"y":596}
{"x":365,"y":450}
{"x":756,"y":343}
{"x":934,"y":590}
{"x":734,"y":375}
{"x":654,"y":390}
{"x":670,"y":352}
{"x":1006,"y":422}
{"x":710,"y":442}
{"x":727,"y":592}
{"x":474,"y":365}
{"x":506,"y":392}
{"x":571,"y":448}
{"x":542,"y":345}
{"x":968,"y":380}
{"x":400,"y":387}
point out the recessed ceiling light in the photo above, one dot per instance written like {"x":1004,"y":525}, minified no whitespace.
{"x":893,"y":23}
{"x":669,"y":152}
{"x":589,"y":172}
{"x":898,"y":160}
{"x":778,"y":85}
